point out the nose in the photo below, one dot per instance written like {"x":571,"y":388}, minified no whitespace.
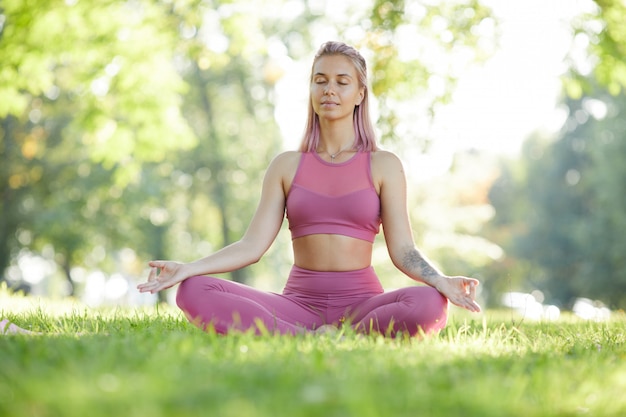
{"x":328,"y":90}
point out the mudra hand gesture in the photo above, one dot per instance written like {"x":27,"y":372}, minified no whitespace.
{"x":163,"y":275}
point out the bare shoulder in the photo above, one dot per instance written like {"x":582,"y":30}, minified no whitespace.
{"x":283,"y":167}
{"x":385,"y":163}
{"x":285,"y":163}
{"x":287,"y":157}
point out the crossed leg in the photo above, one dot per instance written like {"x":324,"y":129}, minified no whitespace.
{"x":412,"y":310}
{"x":228,"y":305}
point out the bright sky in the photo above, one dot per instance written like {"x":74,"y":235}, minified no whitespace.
{"x":516,"y":92}
{"x":495,"y":106}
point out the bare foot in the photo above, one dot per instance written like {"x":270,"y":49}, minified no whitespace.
{"x":6,"y":327}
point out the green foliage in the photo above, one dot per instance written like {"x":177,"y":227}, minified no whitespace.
{"x":603,"y":29}
{"x":450,"y":212}
{"x":152,"y":362}
{"x":440,"y":33}
{"x":566,"y":210}
{"x":148,"y":124}
{"x":103,"y":58}
{"x":560,"y":209}
{"x":103,"y":99}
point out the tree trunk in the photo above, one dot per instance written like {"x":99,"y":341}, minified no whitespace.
{"x":8,"y":200}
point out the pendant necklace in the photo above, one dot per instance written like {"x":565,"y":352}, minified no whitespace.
{"x":336,"y":154}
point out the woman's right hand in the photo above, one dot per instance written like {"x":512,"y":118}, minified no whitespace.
{"x":163,"y":275}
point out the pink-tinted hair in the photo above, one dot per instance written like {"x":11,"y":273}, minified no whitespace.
{"x":365,"y":137}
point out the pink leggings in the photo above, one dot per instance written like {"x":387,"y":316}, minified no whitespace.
{"x":311,"y":299}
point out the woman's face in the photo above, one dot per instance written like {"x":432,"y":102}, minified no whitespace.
{"x":335,"y":89}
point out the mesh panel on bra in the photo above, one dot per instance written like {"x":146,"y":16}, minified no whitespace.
{"x":334,"y":179}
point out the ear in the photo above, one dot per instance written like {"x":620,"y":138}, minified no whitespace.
{"x":360,"y":97}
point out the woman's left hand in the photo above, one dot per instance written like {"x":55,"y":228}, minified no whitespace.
{"x":461,"y":291}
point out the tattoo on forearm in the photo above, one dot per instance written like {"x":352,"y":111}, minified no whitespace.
{"x":414,"y":262}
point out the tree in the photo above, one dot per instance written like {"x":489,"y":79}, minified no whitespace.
{"x":75,"y":81}
{"x":603,"y":267}
{"x":558,"y":212}
{"x":601,"y":33}
{"x":419,"y":49}
{"x":93,"y":125}
{"x":568,"y":234}
{"x":229,"y":108}
{"x":95,"y":53}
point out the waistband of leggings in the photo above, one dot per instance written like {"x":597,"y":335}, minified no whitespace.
{"x":333,"y":283}
{"x":354,"y":272}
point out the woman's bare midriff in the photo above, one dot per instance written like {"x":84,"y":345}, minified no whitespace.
{"x":325,"y":252}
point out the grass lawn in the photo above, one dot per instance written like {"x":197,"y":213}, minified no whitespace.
{"x":151,"y":362}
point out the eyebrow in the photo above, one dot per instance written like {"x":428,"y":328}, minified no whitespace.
{"x":338,"y":75}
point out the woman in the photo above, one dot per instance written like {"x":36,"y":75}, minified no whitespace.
{"x":336,"y":192}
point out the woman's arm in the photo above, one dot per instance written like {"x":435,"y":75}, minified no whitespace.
{"x":389,"y":174}
{"x":261,"y":232}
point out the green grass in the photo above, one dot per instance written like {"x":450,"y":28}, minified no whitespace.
{"x":149,"y":362}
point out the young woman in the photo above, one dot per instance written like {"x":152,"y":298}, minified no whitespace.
{"x":336,"y":192}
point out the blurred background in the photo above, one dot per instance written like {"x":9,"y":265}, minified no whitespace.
{"x":140,"y":129}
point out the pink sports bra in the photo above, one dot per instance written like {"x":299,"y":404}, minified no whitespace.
{"x":334,"y":198}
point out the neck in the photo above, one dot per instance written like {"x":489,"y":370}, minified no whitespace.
{"x":335,"y":138}
{"x":335,"y":148}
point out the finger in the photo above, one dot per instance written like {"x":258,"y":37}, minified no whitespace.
{"x":146,"y":286}
{"x":157,"y":264}
{"x":153,"y":274}
{"x":469,"y":300}
{"x":472,"y":291}
{"x":150,"y":283}
{"x":466,"y":285}
{"x":468,"y":305}
{"x":152,"y":287}
{"x":157,"y":288}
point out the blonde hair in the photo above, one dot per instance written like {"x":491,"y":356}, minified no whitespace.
{"x":365,"y":137}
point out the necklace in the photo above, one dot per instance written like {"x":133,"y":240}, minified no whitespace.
{"x":336,"y":154}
